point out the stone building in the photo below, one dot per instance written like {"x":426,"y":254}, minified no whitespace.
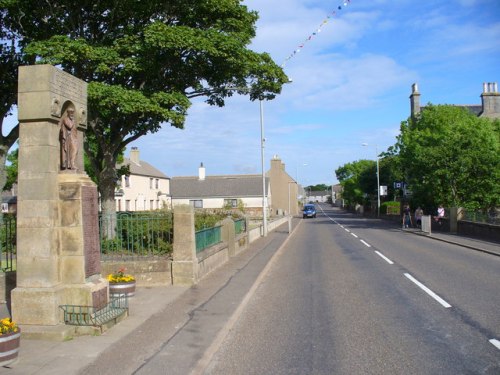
{"x":489,"y":107}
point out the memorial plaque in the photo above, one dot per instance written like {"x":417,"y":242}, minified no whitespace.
{"x":100,"y":298}
{"x":91,"y":244}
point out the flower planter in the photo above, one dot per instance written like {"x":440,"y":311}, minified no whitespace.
{"x":9,"y":347}
{"x":120,"y":289}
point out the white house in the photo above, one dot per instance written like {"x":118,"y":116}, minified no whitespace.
{"x":145,"y":189}
{"x":220,"y":191}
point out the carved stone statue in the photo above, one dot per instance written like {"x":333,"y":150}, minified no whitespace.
{"x":69,"y":139}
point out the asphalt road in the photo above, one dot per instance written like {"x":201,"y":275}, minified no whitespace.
{"x":349,"y":295}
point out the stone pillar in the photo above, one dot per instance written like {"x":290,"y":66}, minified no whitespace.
{"x":185,"y":262}
{"x":453,"y":220}
{"x":58,"y":252}
{"x":228,"y":235}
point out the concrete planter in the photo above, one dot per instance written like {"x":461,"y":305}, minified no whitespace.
{"x":9,"y":347}
{"x":120,"y":289}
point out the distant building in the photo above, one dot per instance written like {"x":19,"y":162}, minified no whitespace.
{"x":220,"y":191}
{"x":145,"y":189}
{"x":490,"y":102}
{"x":318,"y":196}
{"x":284,"y":189}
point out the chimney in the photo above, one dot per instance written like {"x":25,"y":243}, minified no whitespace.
{"x":414,"y":101}
{"x":490,"y":100}
{"x":134,"y":156}
{"x":201,"y":172}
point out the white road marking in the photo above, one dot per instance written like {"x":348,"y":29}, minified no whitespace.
{"x":366,"y":244}
{"x":496,"y":343}
{"x":347,"y":230}
{"x":384,"y":257}
{"x":428,"y":291}
{"x":354,"y":235}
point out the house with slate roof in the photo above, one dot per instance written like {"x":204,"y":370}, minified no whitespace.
{"x":145,"y":189}
{"x":218,"y":191}
{"x":489,"y":107}
{"x":215,"y":192}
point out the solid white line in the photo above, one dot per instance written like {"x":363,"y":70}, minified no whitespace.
{"x":384,"y":257}
{"x":496,"y":343}
{"x":366,"y":244}
{"x":428,"y":291}
{"x":354,"y":235}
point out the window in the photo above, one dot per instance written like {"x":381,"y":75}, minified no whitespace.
{"x":233,"y":203}
{"x":127,"y":181}
{"x":127,"y":205}
{"x":151,"y":182}
{"x":196,"y":203}
{"x":157,"y":183}
{"x":151,"y":205}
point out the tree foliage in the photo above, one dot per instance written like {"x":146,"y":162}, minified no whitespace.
{"x":451,"y":157}
{"x":144,"y":62}
{"x":350,"y":176}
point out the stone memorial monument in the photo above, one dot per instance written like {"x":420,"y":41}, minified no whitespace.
{"x":58,"y":248}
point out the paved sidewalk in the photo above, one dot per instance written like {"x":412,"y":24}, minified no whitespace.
{"x":468,"y":242}
{"x":43,"y":357}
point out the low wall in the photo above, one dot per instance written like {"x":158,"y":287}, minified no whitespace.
{"x":148,"y":272}
{"x":484,"y":231}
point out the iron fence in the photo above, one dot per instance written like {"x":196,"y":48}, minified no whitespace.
{"x":207,"y":237}
{"x":8,"y":240}
{"x":489,"y":217}
{"x":240,"y":226}
{"x":130,"y":235}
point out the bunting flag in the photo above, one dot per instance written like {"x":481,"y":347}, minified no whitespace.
{"x":334,"y":13}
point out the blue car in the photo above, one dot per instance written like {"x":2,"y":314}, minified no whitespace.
{"x":309,"y":211}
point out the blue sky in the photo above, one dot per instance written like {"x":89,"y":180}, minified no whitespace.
{"x":351,"y":84}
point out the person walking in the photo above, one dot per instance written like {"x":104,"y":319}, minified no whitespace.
{"x":407,"y":222}
{"x":418,"y":217}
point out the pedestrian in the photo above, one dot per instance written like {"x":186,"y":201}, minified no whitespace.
{"x":418,"y":216}
{"x":406,"y":216}
{"x":440,"y":214}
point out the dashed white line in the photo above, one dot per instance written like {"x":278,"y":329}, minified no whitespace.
{"x":347,"y":230}
{"x":384,"y":257}
{"x":354,"y":235}
{"x":428,"y":291}
{"x":366,"y":244}
{"x":496,"y":343}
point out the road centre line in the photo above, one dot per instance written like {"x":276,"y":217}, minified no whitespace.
{"x":496,"y":343}
{"x":384,"y":257}
{"x":347,"y":230}
{"x":354,"y":235}
{"x":365,"y":243}
{"x":428,"y":291}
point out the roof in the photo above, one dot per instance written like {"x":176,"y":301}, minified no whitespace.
{"x":472,"y":108}
{"x":229,"y":186}
{"x":143,"y":169}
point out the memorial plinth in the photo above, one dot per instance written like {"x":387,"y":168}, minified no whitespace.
{"x":58,"y":252}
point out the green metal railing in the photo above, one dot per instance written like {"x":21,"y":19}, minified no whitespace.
{"x":8,"y":242}
{"x":90,"y":316}
{"x":240,"y":226}
{"x":129,"y":235}
{"x":207,"y":237}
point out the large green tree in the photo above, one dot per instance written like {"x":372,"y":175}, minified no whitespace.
{"x":349,"y":176}
{"x":144,"y":62}
{"x":452,"y":157}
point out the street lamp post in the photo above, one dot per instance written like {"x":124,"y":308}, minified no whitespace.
{"x":262,"y":142}
{"x":378,"y":179}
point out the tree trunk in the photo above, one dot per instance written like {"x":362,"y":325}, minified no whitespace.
{"x":107,"y":185}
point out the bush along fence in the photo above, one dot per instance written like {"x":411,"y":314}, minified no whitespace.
{"x":140,"y":234}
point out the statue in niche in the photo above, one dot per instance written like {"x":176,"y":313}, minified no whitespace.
{"x":69,"y":139}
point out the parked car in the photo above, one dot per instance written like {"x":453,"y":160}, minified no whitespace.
{"x":309,"y":211}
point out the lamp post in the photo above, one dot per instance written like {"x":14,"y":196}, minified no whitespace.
{"x":262,"y":142}
{"x":378,"y":179}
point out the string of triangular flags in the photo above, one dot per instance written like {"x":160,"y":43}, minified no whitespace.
{"x":318,"y":30}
